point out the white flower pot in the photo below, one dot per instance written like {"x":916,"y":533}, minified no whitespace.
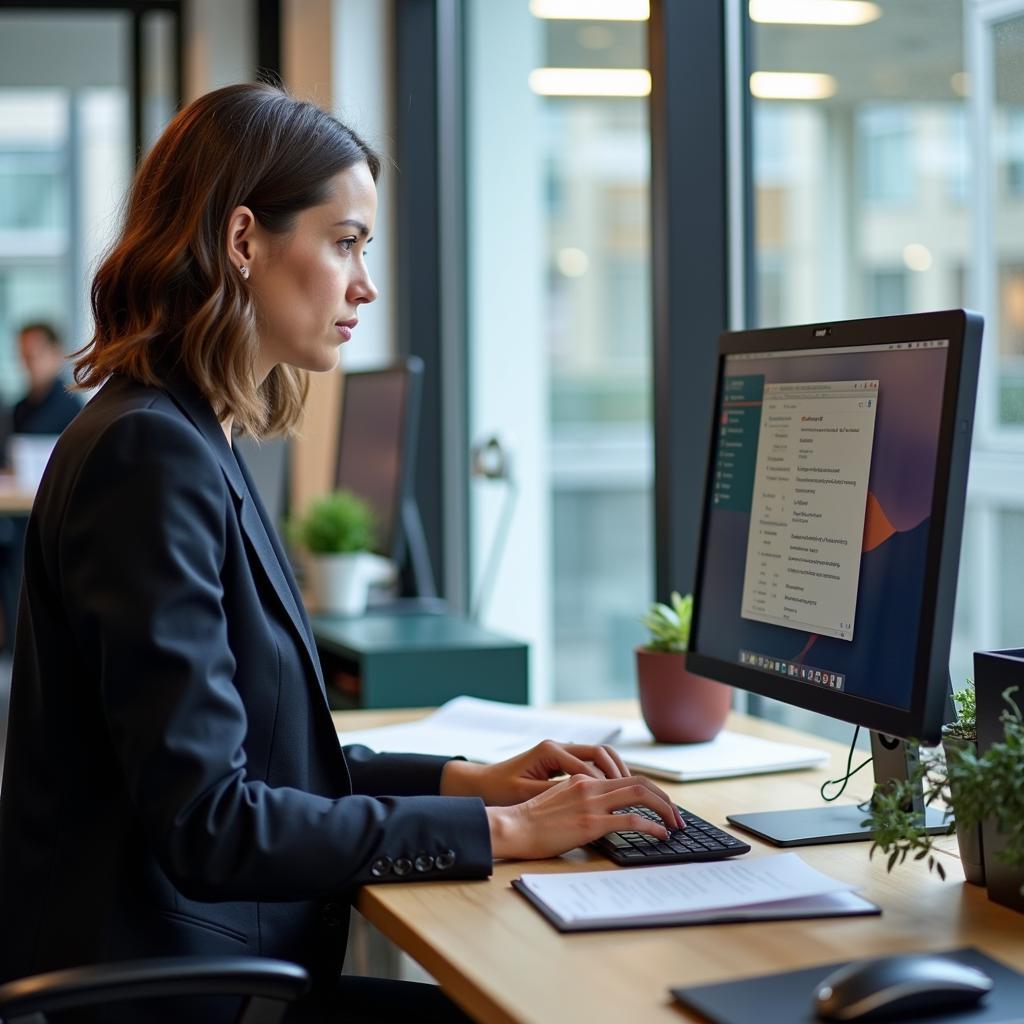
{"x":341,"y":583}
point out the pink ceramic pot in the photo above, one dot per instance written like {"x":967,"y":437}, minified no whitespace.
{"x":678,"y":706}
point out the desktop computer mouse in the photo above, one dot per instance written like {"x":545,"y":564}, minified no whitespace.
{"x":899,"y":987}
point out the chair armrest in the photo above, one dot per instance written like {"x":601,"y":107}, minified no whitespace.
{"x":151,"y":978}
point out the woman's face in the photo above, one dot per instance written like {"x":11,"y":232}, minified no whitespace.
{"x":308,"y":285}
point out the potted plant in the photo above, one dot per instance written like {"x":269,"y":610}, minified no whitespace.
{"x":337,"y":532}
{"x":983,"y":789}
{"x":962,"y":735}
{"x":678,"y":706}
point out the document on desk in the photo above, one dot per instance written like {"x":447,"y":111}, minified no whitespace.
{"x":728,"y":754}
{"x":775,"y":887}
{"x":484,"y":730}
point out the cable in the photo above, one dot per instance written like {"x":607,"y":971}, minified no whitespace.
{"x":841,"y":782}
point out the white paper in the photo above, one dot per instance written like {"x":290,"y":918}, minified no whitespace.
{"x":675,"y":889}
{"x":483,"y":730}
{"x":729,"y":753}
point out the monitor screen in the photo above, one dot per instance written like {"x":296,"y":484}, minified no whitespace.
{"x":372,"y":446}
{"x":830,"y":513}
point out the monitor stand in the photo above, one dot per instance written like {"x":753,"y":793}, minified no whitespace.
{"x":892,"y":758}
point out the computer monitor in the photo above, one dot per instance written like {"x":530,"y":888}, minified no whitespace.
{"x":376,"y":460}
{"x":830,"y":536}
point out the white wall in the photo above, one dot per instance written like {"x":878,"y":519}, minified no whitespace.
{"x":508,"y":383}
{"x":362,"y":81}
{"x":220,"y":47}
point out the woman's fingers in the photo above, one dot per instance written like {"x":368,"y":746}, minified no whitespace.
{"x":571,"y":759}
{"x":632,"y":791}
{"x":608,"y":763}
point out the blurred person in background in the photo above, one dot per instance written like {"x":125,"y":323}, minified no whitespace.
{"x":47,"y":407}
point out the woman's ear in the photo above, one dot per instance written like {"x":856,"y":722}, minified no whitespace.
{"x":242,"y":229}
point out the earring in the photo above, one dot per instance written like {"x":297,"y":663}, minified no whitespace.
{"x":244,"y":271}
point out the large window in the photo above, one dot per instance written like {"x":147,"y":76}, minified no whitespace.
{"x":68,"y":130}
{"x":899,"y":188}
{"x":565,"y":186}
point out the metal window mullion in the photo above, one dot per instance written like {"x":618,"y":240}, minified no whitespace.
{"x":690,"y":265}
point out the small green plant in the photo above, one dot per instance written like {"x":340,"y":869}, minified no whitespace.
{"x":965,"y":726}
{"x":669,"y":624}
{"x":977,"y":788}
{"x":337,"y":524}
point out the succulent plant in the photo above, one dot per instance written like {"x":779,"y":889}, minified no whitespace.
{"x":669,"y":624}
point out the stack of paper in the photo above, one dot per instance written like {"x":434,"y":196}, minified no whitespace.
{"x":484,"y":730}
{"x":489,"y":731}
{"x":753,"y":889}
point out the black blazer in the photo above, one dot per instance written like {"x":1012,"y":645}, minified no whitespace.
{"x":173,"y":781}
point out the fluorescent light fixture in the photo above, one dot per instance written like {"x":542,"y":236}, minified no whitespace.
{"x":814,"y":12}
{"x":592,"y":10}
{"x":917,"y":256}
{"x":787,"y":85}
{"x":590,"y":82}
{"x":572,"y":262}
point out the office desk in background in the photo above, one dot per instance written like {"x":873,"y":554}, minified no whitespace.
{"x":402,"y":659}
{"x":15,"y":500}
{"x":497,"y":957}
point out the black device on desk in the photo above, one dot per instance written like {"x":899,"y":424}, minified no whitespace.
{"x":911,"y":986}
{"x":376,"y":460}
{"x":698,"y":841}
{"x":830,"y":537}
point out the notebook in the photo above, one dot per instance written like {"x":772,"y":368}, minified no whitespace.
{"x":728,"y":754}
{"x":769,"y":888}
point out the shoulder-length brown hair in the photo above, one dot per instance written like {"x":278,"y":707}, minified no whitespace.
{"x":168,"y":281}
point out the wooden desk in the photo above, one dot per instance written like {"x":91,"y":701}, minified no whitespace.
{"x":13,"y":499}
{"x":502,"y":962}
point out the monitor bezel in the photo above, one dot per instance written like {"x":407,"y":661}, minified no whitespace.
{"x":924,"y":718}
{"x":410,"y":371}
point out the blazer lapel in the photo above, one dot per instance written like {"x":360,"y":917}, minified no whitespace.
{"x":255,"y":525}
{"x":261,"y":531}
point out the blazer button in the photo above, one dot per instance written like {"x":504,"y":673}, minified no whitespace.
{"x":332,"y":915}
{"x":380,"y":867}
{"x":402,"y":866}
{"x":445,"y":860}
{"x":424,"y":862}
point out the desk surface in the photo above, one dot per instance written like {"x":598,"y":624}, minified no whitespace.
{"x":497,"y":957}
{"x":14,"y":500}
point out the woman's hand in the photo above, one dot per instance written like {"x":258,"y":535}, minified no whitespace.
{"x":576,"y":811}
{"x":531,"y":773}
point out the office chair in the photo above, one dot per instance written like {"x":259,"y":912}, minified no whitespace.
{"x":269,"y":984}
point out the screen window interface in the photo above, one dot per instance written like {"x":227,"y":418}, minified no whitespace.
{"x":821,"y":494}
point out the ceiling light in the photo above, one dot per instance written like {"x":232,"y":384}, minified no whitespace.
{"x":814,"y":12}
{"x":592,"y":10}
{"x":917,"y":256}
{"x":785,"y":85}
{"x":572,"y":262}
{"x":590,"y":82}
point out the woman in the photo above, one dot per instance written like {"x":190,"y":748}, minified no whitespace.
{"x":173,"y":780}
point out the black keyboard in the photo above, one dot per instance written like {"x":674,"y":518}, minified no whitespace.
{"x":700,"y":840}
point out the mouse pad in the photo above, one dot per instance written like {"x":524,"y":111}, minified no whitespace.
{"x":790,"y":996}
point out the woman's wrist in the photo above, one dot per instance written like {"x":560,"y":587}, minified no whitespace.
{"x":501,"y":822}
{"x":462,"y":778}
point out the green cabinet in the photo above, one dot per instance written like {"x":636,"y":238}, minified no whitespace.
{"x":394,"y":660}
